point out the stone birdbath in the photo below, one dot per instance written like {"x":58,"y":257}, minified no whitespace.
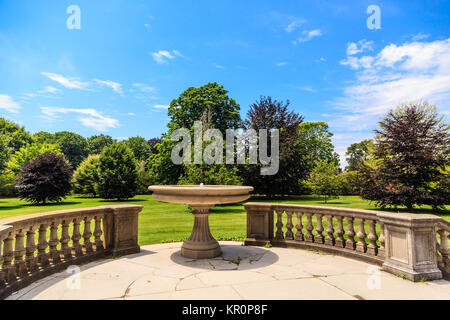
{"x":201,"y":198}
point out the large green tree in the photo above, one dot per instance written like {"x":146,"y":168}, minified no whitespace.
{"x":325,"y":179}
{"x":28,"y":153}
{"x":74,"y":147}
{"x":162,"y":169}
{"x":140,"y":148}
{"x":192,"y":103}
{"x":4,"y":154}
{"x":118,"y":176}
{"x":410,"y":160}
{"x":356,"y":154}
{"x":98,"y":142}
{"x":15,"y":136}
{"x":268,"y":113}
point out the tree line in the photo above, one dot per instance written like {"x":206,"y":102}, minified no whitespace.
{"x":406,"y":163}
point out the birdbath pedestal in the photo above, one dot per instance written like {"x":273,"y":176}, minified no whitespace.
{"x":201,"y":244}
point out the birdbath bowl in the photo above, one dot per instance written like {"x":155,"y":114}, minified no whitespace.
{"x":201,"y":244}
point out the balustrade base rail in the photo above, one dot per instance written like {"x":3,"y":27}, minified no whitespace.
{"x":23,"y":261}
{"x":293,"y":244}
{"x":413,"y":246}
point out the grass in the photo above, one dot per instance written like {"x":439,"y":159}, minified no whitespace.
{"x":164,"y":222}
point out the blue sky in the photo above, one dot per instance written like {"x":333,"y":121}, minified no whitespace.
{"x":117,"y":74}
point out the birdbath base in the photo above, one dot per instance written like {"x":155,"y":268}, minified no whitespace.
{"x":201,"y":244}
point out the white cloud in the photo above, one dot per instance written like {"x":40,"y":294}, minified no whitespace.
{"x":89,"y":117}
{"x":160,"y":106}
{"x":218,"y":66}
{"x":71,"y":83}
{"x":7,"y":103}
{"x":117,"y":87}
{"x":309,"y":89}
{"x":49,"y":89}
{"x":295,"y":25}
{"x":163,"y":56}
{"x":409,"y":72}
{"x":142,"y":87}
{"x":358,"y":47}
{"x":281,"y":64}
{"x":419,"y":36}
{"x":308,"y":35}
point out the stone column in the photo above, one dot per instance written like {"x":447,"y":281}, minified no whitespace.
{"x":259,"y":223}
{"x":121,"y":229}
{"x":410,"y":245}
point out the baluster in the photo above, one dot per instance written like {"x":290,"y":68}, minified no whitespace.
{"x":8,"y":255}
{"x":19,"y":251}
{"x":299,"y":234}
{"x":340,"y":242}
{"x":350,"y":243}
{"x":31,"y":260}
{"x":65,"y":238}
{"x":42,"y":246}
{"x":87,"y":234}
{"x":2,"y":274}
{"x":289,"y":226}
{"x":361,"y":246}
{"x":372,"y":248}
{"x":443,"y":247}
{"x":381,"y":239}
{"x":279,"y":233}
{"x":76,"y":237}
{"x":329,"y":240}
{"x":319,"y":229}
{"x":309,"y":228}
{"x":98,"y":234}
{"x":53,"y":243}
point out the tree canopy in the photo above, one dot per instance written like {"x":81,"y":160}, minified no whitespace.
{"x":98,"y":142}
{"x":15,"y":136}
{"x":140,"y":147}
{"x":45,"y":178}
{"x":193,"y":102}
{"x":411,"y":157}
{"x":118,"y":176}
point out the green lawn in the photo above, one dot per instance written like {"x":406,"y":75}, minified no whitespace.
{"x":164,"y":222}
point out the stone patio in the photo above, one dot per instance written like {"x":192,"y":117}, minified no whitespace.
{"x":160,"y":272}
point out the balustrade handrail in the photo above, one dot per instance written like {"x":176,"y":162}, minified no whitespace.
{"x":403,"y":243}
{"x":37,"y":218}
{"x":64,"y":238}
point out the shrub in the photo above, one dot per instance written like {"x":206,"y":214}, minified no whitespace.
{"x":45,"y":179}
{"x":85,"y":178}
{"x":325,"y":180}
{"x":144,"y":177}
{"x":118,"y":177}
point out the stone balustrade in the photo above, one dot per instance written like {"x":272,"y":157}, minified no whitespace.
{"x":414,"y":246}
{"x":37,"y":245}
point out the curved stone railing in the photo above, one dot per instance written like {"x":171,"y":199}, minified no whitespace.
{"x":404,"y":244}
{"x":37,"y":245}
